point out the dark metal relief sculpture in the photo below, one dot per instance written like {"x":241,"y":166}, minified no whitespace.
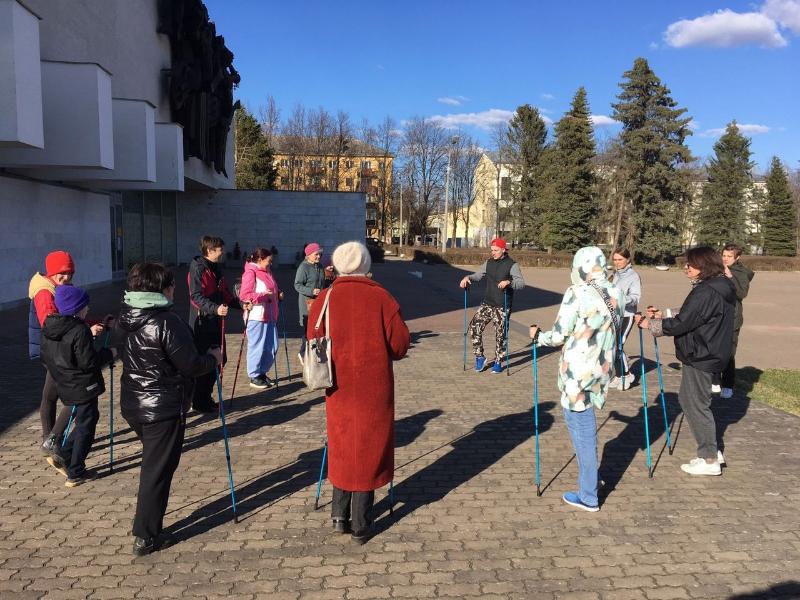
{"x":201,"y":80}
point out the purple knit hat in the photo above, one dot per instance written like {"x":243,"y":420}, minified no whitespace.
{"x":70,"y":299}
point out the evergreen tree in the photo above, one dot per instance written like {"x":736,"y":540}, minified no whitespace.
{"x":255,"y":163}
{"x":780,"y":235}
{"x":653,"y":137}
{"x":723,"y":206}
{"x":572,"y":206}
{"x":526,"y":137}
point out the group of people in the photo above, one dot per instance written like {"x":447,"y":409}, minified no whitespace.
{"x":597,"y":314}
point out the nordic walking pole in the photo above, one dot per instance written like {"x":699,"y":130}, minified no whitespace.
{"x":621,"y":363}
{"x":465,"y":327}
{"x":69,"y":424}
{"x":644,"y":402}
{"x":663,"y":401}
{"x":507,"y":322}
{"x":227,"y":447}
{"x":110,"y":409}
{"x":391,"y":498}
{"x":239,"y":360}
{"x":535,"y":368}
{"x":285,"y":344}
{"x":321,"y":471}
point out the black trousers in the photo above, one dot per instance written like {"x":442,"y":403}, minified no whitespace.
{"x":729,"y":374}
{"x":48,"y":407}
{"x":354,"y":506}
{"x":80,"y":440}
{"x":161,"y":453}
{"x":207,"y":333}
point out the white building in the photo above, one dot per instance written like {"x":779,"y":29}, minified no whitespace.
{"x":109,"y":111}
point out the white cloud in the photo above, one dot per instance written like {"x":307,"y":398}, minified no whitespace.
{"x":603,"y":121}
{"x":453,"y":100}
{"x":744,"y":129}
{"x":785,"y":12}
{"x":725,"y":29}
{"x":547,"y":96}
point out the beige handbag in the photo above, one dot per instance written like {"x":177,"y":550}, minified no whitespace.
{"x":317,"y":363}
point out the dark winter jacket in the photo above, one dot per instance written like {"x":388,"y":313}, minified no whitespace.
{"x":495,"y":271}
{"x":703,"y":329}
{"x":69,"y":355}
{"x":741,"y":276}
{"x":207,"y":292}
{"x":159,"y":361}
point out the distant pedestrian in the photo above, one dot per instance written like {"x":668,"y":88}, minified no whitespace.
{"x":703,"y":331}
{"x":210,"y":300}
{"x":629,"y":283}
{"x":159,"y":361}
{"x":76,"y":367}
{"x":503,"y":277}
{"x":260,"y":289}
{"x":586,"y":326}
{"x":309,"y":281}
{"x":741,"y":276}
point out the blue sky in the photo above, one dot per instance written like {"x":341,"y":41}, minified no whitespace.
{"x":472,"y":63}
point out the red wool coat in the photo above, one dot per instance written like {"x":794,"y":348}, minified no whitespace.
{"x":367,"y":334}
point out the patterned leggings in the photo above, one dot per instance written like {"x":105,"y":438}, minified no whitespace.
{"x":486,"y":314}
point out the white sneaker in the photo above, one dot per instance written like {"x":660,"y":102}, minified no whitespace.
{"x":715,"y":388}
{"x":720,"y":458}
{"x":614,"y":383}
{"x":699,"y":466}
{"x":726,"y":393}
{"x":300,"y":358}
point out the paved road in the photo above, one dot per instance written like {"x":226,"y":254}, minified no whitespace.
{"x":467,"y":521}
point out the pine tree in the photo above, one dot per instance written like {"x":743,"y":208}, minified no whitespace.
{"x":254,"y":159}
{"x":723,"y":206}
{"x":780,"y":235}
{"x":572,"y":207}
{"x":526,"y":137}
{"x":653,"y":137}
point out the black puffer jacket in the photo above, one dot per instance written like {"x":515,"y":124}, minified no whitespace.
{"x":159,"y":361}
{"x":69,"y":354}
{"x":703,"y":328}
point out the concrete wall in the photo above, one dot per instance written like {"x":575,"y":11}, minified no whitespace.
{"x":38,"y":218}
{"x":285,"y":219}
{"x":119,"y":35}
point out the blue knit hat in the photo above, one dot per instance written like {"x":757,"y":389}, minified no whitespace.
{"x":70,"y":299}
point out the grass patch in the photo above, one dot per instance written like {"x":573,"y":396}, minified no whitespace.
{"x":779,"y":388}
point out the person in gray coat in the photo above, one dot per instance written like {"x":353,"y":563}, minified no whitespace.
{"x":309,"y":281}
{"x":629,"y":283}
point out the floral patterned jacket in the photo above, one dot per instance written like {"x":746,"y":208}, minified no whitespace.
{"x":585,"y":328}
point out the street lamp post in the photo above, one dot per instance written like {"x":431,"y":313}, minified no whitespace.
{"x":453,"y":142}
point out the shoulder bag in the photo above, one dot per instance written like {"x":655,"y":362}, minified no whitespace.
{"x":317,"y":363}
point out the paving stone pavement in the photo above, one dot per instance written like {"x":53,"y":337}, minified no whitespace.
{"x":467,"y":521}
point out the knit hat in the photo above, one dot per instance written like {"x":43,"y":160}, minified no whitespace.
{"x":352,"y":258}
{"x":70,"y":299}
{"x":312,"y":247}
{"x":58,"y":262}
{"x":499,"y":243}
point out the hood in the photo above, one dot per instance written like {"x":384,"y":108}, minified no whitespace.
{"x":724,"y":287}
{"x":589,"y":264}
{"x":56,"y":326}
{"x":38,"y":283}
{"x":131,"y":319}
{"x":251,"y":266}
{"x":146,"y":300}
{"x":740,"y":268}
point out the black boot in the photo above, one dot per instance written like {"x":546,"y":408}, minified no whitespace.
{"x":143,"y":547}
{"x":50,"y":445}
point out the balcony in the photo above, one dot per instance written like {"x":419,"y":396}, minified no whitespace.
{"x":367,"y":172}
{"x":317,"y":170}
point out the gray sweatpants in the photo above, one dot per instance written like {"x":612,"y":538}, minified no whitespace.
{"x":694,"y":397}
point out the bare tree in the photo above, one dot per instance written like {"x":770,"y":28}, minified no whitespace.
{"x":340,"y":146}
{"x":269,"y":116}
{"x":294,"y":144}
{"x":425,"y":146}
{"x":499,"y":140}
{"x":321,"y":131}
{"x":464,"y":162}
{"x":387,"y":138}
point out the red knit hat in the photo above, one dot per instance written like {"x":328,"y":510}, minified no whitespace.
{"x":58,"y":262}
{"x":499,"y":242}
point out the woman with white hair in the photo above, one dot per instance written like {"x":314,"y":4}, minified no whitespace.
{"x":367,"y":333}
{"x":587,"y":327}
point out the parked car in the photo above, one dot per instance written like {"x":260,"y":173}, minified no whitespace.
{"x":376,"y":251}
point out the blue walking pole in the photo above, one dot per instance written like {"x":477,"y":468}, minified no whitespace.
{"x":506,"y":318}
{"x":227,"y":447}
{"x":644,"y":402}
{"x":465,"y":327}
{"x":110,"y":409}
{"x":69,"y":424}
{"x":321,"y":471}
{"x":535,"y":368}
{"x":391,"y":498}
{"x":285,"y":344}
{"x":663,"y":401}
{"x":621,"y":363}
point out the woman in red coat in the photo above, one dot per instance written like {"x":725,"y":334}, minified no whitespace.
{"x":367,"y":334}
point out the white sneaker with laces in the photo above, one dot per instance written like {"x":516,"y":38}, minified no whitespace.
{"x":726,"y":393}
{"x":720,"y":458}
{"x":699,"y":466}
{"x":614,"y":384}
{"x":715,"y":388}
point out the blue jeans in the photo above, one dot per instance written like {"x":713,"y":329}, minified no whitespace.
{"x":262,"y":345}
{"x":582,"y":428}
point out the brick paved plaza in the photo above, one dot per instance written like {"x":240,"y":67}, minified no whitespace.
{"x":467,"y":521}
